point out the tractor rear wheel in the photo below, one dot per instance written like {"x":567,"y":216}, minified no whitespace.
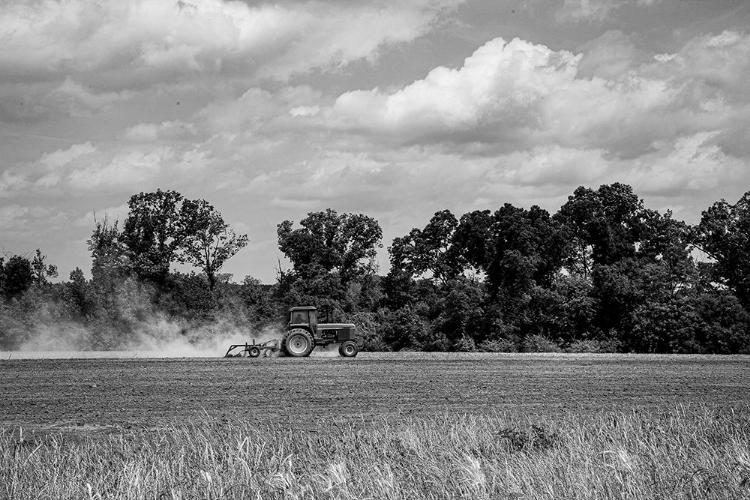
{"x":298,"y":343}
{"x":348,"y":349}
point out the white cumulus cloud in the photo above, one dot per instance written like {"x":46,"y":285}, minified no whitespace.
{"x":119,"y":44}
{"x":498,"y":89}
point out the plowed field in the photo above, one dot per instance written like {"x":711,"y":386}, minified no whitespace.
{"x":108,"y":394}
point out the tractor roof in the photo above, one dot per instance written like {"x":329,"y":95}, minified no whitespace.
{"x":302,"y":308}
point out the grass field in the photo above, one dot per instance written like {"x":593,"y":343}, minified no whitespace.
{"x":377,"y":426}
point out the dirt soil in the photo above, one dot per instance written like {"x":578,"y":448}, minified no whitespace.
{"x":112,"y":394}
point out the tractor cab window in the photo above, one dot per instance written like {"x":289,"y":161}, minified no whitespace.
{"x":300,"y":318}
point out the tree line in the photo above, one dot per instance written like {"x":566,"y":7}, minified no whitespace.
{"x":603,"y":274}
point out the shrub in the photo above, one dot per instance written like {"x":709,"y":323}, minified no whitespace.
{"x":498,"y":345}
{"x":539,"y":343}
{"x":466,"y":344}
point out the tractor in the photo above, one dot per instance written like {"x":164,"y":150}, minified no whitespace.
{"x":304,"y":333}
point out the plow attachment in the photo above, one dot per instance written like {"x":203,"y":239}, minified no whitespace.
{"x":251,"y":350}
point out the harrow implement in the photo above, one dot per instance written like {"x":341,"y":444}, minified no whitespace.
{"x":251,"y":350}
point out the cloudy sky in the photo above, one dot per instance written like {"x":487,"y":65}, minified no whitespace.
{"x":395,"y":109}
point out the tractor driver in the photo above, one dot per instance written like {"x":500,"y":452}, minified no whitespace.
{"x":298,"y":318}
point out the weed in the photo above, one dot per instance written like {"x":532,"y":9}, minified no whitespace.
{"x":533,"y":438}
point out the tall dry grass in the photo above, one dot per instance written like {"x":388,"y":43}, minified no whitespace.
{"x":687,"y":453}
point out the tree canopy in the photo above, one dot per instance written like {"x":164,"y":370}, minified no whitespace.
{"x":153,"y":232}
{"x":207,"y":241}
{"x":602,"y":274}
{"x":724,"y":234}
{"x":328,"y":242}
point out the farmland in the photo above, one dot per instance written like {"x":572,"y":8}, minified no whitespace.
{"x":416,"y":426}
{"x":111,"y":393}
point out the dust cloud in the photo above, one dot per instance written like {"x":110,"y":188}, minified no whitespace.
{"x":154,"y":337}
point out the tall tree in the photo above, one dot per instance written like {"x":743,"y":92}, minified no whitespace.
{"x":665,"y":249}
{"x":516,"y":248}
{"x":637,"y":259}
{"x":528,"y":248}
{"x":429,"y":251}
{"x":111,"y":267}
{"x":328,"y":242}
{"x":207,"y":241}
{"x":110,"y":255}
{"x":606,"y":224}
{"x":77,"y":294}
{"x":17,"y":276}
{"x":333,"y":259}
{"x":472,"y":238}
{"x":724,"y":234}
{"x":153,"y":232}
{"x":42,"y":271}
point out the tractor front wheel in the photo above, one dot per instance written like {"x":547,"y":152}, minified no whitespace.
{"x":253,"y":352}
{"x":298,"y":343}
{"x":348,"y":349}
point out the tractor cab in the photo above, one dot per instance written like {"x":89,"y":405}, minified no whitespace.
{"x":303,"y":317}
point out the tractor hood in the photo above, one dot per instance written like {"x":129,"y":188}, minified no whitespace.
{"x":334,"y":326}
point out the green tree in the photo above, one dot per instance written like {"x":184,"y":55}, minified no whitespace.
{"x":153,"y":232}
{"x":17,"y":276}
{"x":562,"y":312}
{"x":78,"y":296}
{"x":111,"y":267}
{"x":260,"y":302}
{"x":528,"y":248}
{"x":109,"y":252}
{"x":430,"y":251}
{"x":207,"y":241}
{"x":329,"y":242}
{"x":405,"y":329}
{"x":459,"y":313}
{"x":637,"y":260}
{"x":42,"y":272}
{"x":606,"y":225}
{"x":515,"y":248}
{"x":668,"y":244}
{"x":724,"y":323}
{"x":669,"y":326}
{"x":724,"y":235}
{"x":473,"y":239}
{"x":330,"y":253}
{"x":188,"y":296}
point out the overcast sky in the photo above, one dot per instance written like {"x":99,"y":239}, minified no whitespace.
{"x":395,"y":109}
